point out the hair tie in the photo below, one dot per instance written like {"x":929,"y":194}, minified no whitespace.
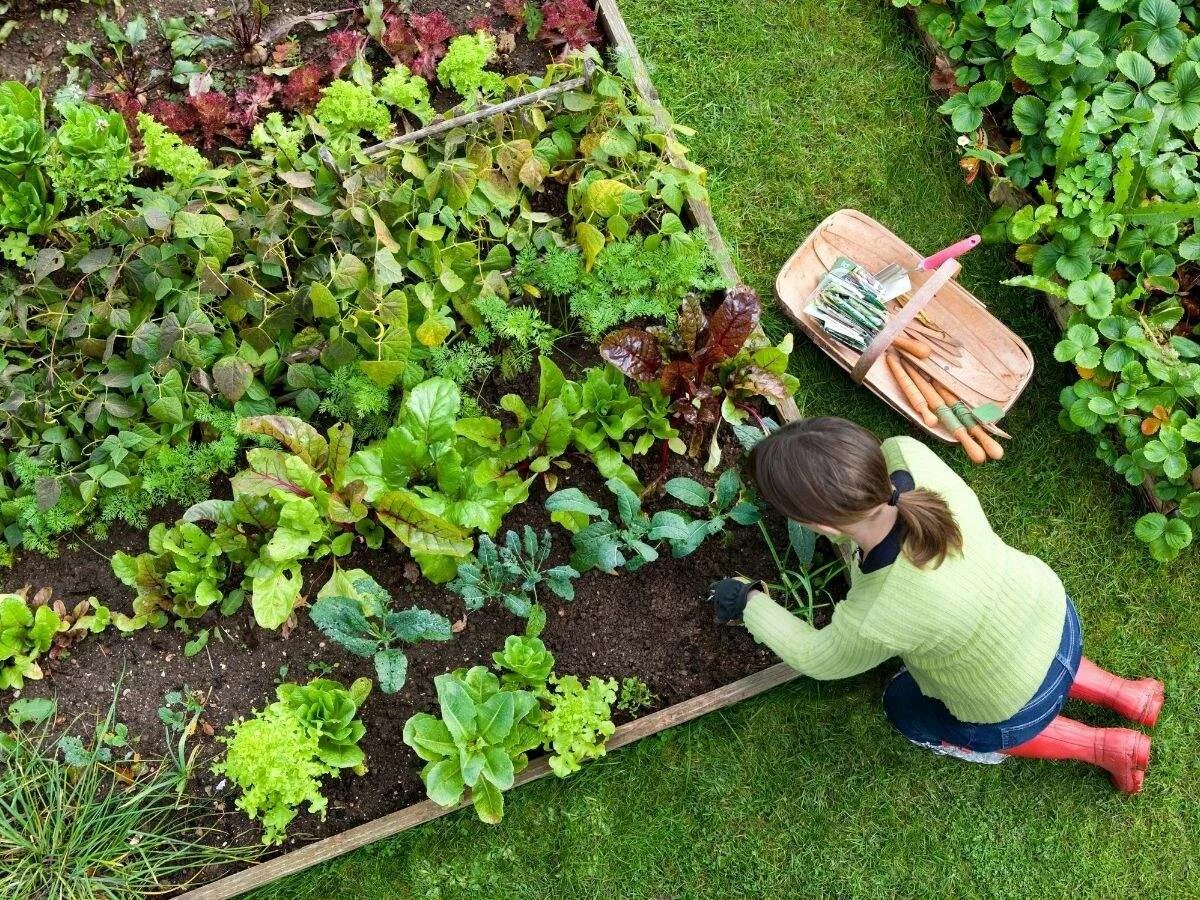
{"x":894,"y":500}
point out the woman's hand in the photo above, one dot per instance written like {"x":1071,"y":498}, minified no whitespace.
{"x":729,"y":597}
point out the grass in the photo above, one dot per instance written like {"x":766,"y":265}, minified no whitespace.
{"x":801,"y":107}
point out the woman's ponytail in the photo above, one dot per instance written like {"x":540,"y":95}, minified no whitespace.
{"x":828,"y":471}
{"x":930,"y":530}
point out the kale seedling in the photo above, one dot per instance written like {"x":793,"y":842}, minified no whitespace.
{"x":354,"y":612}
{"x":510,"y":573}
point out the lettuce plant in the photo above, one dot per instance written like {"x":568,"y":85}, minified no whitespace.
{"x":273,"y":760}
{"x":25,"y":634}
{"x":511,"y":573}
{"x":524,"y":662}
{"x":279,"y":757}
{"x":406,"y":91}
{"x":463,"y":67}
{"x":353,"y":611}
{"x":164,"y":150}
{"x":182,"y":573}
{"x":26,"y":202}
{"x":480,"y":743}
{"x":578,"y":721}
{"x":348,"y":108}
{"x":94,"y":163}
{"x":328,"y":710}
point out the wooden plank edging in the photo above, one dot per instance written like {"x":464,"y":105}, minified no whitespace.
{"x":426,"y":811}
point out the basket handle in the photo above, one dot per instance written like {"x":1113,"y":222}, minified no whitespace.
{"x":901,"y":320}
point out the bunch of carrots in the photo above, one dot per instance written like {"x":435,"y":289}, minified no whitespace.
{"x":936,"y":403}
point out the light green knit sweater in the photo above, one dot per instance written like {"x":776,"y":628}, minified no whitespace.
{"x":978,"y":632}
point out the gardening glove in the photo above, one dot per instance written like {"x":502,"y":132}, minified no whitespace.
{"x":729,"y":597}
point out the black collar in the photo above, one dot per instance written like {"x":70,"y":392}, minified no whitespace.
{"x":887,"y":551}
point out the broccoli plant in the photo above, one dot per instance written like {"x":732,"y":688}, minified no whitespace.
{"x":510,"y":573}
{"x":480,"y":743}
{"x":353,"y":611}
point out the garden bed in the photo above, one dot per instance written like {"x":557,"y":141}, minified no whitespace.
{"x":654,"y":625}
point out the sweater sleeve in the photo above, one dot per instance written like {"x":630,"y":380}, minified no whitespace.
{"x":838,"y":650}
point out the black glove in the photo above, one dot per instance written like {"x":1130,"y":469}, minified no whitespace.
{"x":729,"y":597}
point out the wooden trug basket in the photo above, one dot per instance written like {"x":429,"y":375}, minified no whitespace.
{"x":996,"y":365}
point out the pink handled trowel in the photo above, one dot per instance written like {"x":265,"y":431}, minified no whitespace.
{"x":894,"y":277}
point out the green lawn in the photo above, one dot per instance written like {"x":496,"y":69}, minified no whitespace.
{"x":803,"y":106}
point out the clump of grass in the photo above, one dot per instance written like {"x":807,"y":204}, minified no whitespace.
{"x":103,"y":830}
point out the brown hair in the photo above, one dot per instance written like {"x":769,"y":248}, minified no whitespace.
{"x":828,"y":471}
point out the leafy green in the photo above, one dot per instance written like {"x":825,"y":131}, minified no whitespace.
{"x":462,"y":68}
{"x":182,"y":573}
{"x":95,"y":164}
{"x":511,"y":573}
{"x":354,"y":611}
{"x":279,"y":757}
{"x":347,"y":108}
{"x":480,"y":742}
{"x":578,"y":721}
{"x":25,"y":634}
{"x":164,"y":150}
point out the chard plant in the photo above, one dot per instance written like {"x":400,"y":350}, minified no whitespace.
{"x":353,"y":611}
{"x":709,"y":367}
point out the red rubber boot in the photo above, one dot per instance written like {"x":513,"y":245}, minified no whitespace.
{"x":1140,"y":701}
{"x":1122,"y":752}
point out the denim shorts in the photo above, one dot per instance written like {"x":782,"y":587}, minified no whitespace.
{"x":925,"y":720}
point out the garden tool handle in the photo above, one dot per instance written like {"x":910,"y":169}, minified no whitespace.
{"x":946,"y":415}
{"x":915,"y":398}
{"x":952,"y":252}
{"x":989,"y":444}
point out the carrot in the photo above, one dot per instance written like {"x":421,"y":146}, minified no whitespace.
{"x":914,"y":397}
{"x":946,"y":416}
{"x":912,"y":346}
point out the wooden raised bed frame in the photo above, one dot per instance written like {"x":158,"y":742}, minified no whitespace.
{"x":621,"y":42}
